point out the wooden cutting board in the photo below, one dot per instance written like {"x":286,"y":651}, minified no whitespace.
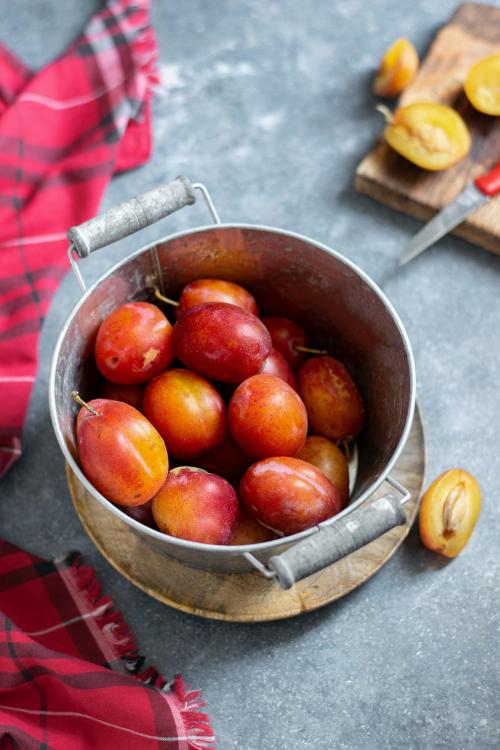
{"x":472,"y":33}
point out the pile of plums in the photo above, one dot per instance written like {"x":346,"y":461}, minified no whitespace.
{"x":221,"y":428}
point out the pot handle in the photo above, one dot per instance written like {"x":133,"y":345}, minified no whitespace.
{"x":333,"y":541}
{"x":130,"y":216}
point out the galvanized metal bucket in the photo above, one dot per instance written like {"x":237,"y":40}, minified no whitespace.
{"x":340,"y":306}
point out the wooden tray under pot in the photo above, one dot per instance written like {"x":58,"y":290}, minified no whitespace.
{"x":245,"y":597}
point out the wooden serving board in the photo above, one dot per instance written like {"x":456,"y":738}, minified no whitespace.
{"x":472,"y":33}
{"x":245,"y":597}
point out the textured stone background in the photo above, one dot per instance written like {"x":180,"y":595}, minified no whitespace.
{"x":269,"y":104}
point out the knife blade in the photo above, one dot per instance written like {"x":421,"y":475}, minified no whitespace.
{"x":469,"y":200}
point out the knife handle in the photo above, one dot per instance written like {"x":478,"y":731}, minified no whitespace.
{"x":489,"y":182}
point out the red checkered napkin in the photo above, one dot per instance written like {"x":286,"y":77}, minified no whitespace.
{"x":64,"y":132}
{"x":70,"y":674}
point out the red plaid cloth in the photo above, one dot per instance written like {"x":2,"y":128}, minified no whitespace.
{"x":70,"y":675}
{"x":63,"y":133}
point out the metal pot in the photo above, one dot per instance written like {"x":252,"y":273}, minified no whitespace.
{"x":291,"y":275}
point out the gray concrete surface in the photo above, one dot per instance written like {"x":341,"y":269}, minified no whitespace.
{"x":268,"y":103}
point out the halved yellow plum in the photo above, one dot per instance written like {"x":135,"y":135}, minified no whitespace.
{"x":397,"y":68}
{"x":449,"y":511}
{"x":430,"y":135}
{"x":482,"y":85}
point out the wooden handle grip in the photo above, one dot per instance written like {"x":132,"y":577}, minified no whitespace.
{"x":331,"y":543}
{"x":127,"y":218}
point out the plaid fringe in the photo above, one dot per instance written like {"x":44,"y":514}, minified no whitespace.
{"x":115,"y":632}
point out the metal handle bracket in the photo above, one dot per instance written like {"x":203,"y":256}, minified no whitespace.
{"x":334,"y":539}
{"x":131,"y":216}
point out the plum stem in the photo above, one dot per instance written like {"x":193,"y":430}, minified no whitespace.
{"x":308,"y":350}
{"x":345,"y":447}
{"x":76,"y":397}
{"x":167,"y":300}
{"x":385,"y":111}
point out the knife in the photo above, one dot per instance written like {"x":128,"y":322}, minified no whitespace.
{"x":483,"y":189}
